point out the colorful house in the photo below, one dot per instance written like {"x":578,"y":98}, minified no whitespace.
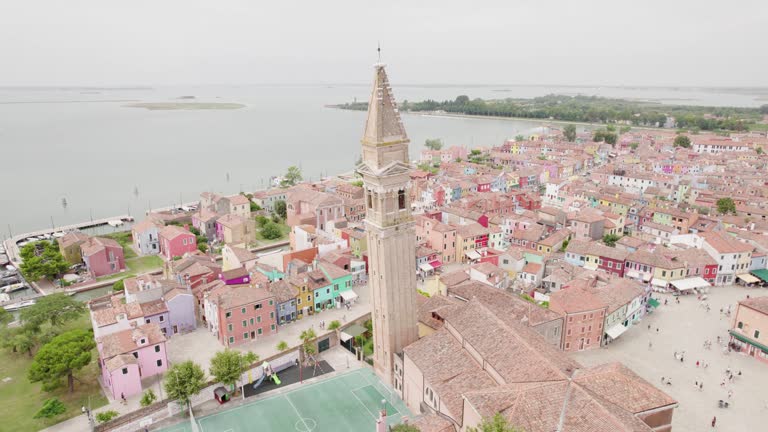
{"x":102,"y":256}
{"x":145,"y":236}
{"x":176,"y":241}
{"x":69,"y":246}
{"x":237,"y":314}
{"x":128,"y":356}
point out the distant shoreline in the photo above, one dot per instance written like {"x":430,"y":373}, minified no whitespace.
{"x":166,"y":106}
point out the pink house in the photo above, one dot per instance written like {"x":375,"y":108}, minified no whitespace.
{"x":102,"y":256}
{"x":128,"y":356}
{"x":176,"y":241}
{"x":237,"y":314}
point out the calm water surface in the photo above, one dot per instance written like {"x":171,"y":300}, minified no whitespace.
{"x":87,"y":147}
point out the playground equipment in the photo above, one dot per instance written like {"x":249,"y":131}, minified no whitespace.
{"x":270,"y":371}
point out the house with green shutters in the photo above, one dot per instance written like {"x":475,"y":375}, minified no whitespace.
{"x":331,"y":285}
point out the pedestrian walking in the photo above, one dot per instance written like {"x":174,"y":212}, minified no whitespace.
{"x":649,"y":326}
{"x":657,"y":329}
{"x":681,"y":358}
{"x":122,"y":397}
{"x":650,"y":345}
{"x":714,"y":421}
{"x":697,"y":363}
{"x":730,"y":394}
{"x":701,"y":386}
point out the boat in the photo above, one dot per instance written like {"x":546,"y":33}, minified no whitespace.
{"x":4,"y":259}
{"x":58,"y":235}
{"x":115,"y":223}
{"x":19,"y":305}
{"x":4,"y":297}
{"x":14,"y":287}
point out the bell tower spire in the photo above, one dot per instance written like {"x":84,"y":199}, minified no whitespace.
{"x":389,"y":227}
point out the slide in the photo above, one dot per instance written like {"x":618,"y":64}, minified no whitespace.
{"x":259,"y":381}
{"x":275,"y":379}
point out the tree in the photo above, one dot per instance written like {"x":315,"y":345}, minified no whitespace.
{"x":759,"y":150}
{"x":280,"y":209}
{"x":307,"y":345}
{"x":261,"y":220}
{"x":433,"y":143}
{"x":726,"y":205}
{"x":184,"y":380}
{"x":682,"y":141}
{"x":228,"y":366}
{"x":607,"y":136}
{"x":624,"y":129}
{"x":495,"y":424}
{"x":333,"y":325}
{"x":5,"y":317}
{"x":634,"y":145}
{"x":57,"y":308}
{"x":148,"y":398}
{"x":569,"y":132}
{"x":51,"y":408}
{"x":282,"y":346}
{"x":202,"y":247}
{"x":611,"y":239}
{"x":402,"y":427}
{"x":271,"y":231}
{"x":61,"y":357}
{"x":42,"y":260}
{"x":519,"y":137}
{"x":254,"y":207}
{"x":291,"y":177}
{"x":106,"y":416}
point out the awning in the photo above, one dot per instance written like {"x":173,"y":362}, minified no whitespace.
{"x":690,"y":283}
{"x":351,"y":331}
{"x":348,"y":295}
{"x":472,"y":254}
{"x":435,"y":263}
{"x":745,"y":339}
{"x":748,"y":278}
{"x":652,"y":302}
{"x":761,"y":273}
{"x":590,"y":265}
{"x":616,"y":331}
{"x":659,"y":282}
{"x":426,"y":268}
{"x":632,"y":273}
{"x":647,"y":277}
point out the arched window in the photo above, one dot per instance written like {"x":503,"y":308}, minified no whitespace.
{"x":401,"y":199}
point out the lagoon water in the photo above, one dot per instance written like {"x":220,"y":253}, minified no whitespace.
{"x":106,"y":159}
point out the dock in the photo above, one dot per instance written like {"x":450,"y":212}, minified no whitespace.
{"x":12,"y":249}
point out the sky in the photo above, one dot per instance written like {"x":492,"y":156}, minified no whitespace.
{"x":526,"y":42}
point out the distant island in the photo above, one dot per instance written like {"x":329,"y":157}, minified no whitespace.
{"x":593,"y":109}
{"x":185,"y":106}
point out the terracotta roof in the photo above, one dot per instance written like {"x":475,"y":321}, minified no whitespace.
{"x":724,"y":243}
{"x":232,"y":296}
{"x":120,"y":361}
{"x":173,"y":231}
{"x":126,"y":341}
{"x":241,"y":254}
{"x":72,"y":238}
{"x":507,"y":307}
{"x":574,"y":300}
{"x":618,"y":385}
{"x":95,"y":245}
{"x":453,"y":278}
{"x":283,"y":291}
{"x":757,"y":303}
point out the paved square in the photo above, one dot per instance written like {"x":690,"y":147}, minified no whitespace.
{"x":344,"y":403}
{"x":685,"y":327}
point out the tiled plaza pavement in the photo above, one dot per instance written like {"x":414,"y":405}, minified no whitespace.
{"x":686,"y":326}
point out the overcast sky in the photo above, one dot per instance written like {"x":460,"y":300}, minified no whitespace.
{"x":594,"y":42}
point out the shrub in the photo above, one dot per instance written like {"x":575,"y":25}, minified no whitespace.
{"x":148,"y":398}
{"x":106,"y":416}
{"x":51,"y":408}
{"x":333,"y":325}
{"x":119,"y":285}
{"x":271,"y":231}
{"x":282,"y":346}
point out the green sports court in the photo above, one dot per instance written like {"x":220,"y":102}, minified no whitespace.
{"x":344,"y":403}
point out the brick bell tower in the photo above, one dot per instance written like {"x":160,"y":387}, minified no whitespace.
{"x":389,"y":226}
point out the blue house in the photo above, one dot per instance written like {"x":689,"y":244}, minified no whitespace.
{"x":285,"y":301}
